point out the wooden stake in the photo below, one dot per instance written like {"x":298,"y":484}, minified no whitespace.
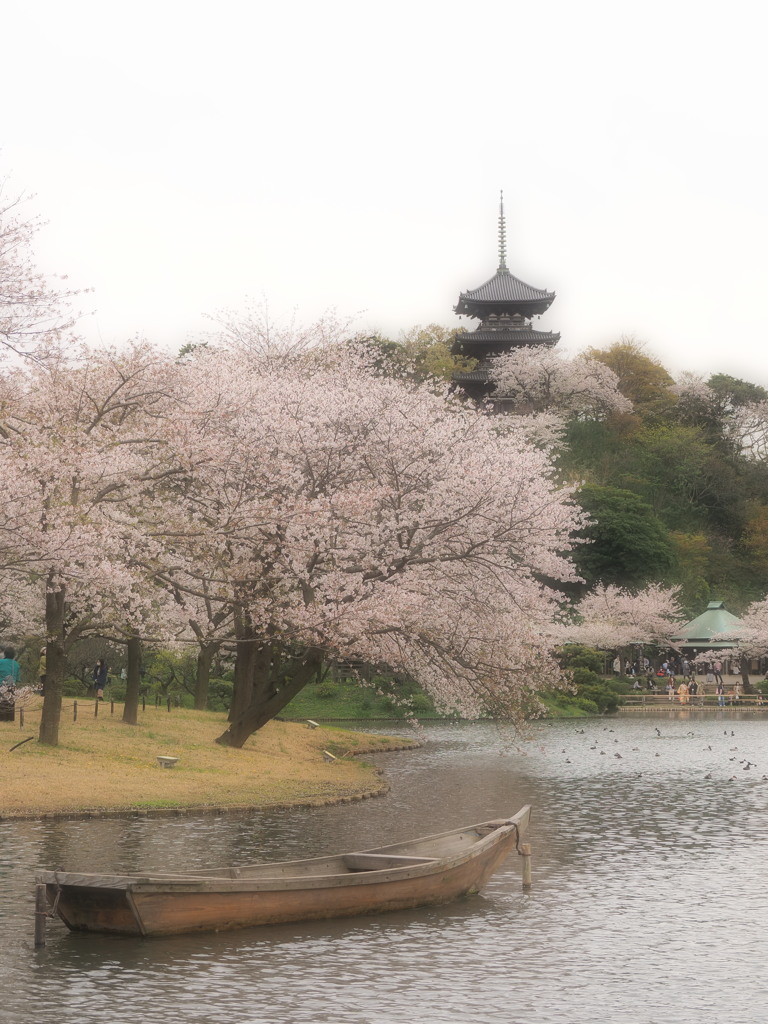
{"x":74,"y":712}
{"x":41,"y":915}
{"x":525,"y":850}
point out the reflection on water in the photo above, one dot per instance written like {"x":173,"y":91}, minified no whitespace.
{"x":650,"y":837}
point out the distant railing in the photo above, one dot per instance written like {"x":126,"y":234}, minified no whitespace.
{"x":710,"y":700}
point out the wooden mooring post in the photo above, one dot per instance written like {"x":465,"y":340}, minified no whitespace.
{"x":41,"y":915}
{"x":525,"y":853}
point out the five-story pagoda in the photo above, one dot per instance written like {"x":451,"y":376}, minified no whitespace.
{"x":504,"y":305}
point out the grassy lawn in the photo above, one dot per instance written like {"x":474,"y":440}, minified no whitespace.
{"x":342,"y":700}
{"x":103,"y":765}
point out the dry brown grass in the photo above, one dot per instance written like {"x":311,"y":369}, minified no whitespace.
{"x":103,"y":765}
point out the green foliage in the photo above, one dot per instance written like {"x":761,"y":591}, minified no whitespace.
{"x":219,"y":694}
{"x":420,"y":354}
{"x":573,"y":656}
{"x":642,"y":379}
{"x":628,"y":544}
{"x":327,"y":691}
{"x":601,"y":695}
{"x":702,"y":521}
{"x":74,"y":687}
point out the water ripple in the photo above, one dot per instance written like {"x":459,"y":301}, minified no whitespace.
{"x":647,"y":904}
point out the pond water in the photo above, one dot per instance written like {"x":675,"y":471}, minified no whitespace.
{"x":650,"y":844}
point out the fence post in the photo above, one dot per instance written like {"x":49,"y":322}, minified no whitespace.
{"x":169,"y":704}
{"x":143,"y":702}
{"x":21,"y":718}
{"x":74,"y":712}
{"x":111,"y":707}
{"x":96,"y":708}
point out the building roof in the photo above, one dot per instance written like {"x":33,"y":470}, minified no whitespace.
{"x":508,"y":336}
{"x":699,"y":631}
{"x":505,"y":292}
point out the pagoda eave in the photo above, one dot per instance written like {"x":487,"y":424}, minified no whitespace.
{"x":480,"y":308}
{"x":515,"y":338}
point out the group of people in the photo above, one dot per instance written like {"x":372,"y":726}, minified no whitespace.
{"x":686,"y":690}
{"x":670,"y":668}
{"x":680,"y":679}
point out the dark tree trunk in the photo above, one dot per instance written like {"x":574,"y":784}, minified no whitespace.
{"x":55,"y":665}
{"x":133,"y":680}
{"x":267,"y":698}
{"x":744,"y":666}
{"x":205,"y":657}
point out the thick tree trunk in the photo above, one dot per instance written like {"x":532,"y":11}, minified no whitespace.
{"x":268,"y":699}
{"x":133,"y":680}
{"x":55,"y":665}
{"x":246,"y":656}
{"x":205,"y":657}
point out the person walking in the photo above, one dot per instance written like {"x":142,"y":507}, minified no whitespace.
{"x":99,"y":676}
{"x":718,"y":670}
{"x":10,"y":677}
{"x":41,"y":671}
{"x":720,"y":691}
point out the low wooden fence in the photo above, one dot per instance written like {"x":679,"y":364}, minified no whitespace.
{"x":84,"y":708}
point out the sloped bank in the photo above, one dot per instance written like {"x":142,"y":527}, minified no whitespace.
{"x":103,"y":768}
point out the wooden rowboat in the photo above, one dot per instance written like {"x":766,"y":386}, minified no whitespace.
{"x":434,"y":869}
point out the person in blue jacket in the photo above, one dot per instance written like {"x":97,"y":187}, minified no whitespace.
{"x":10,"y":677}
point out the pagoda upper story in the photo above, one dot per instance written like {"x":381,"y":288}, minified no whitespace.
{"x":504,"y":305}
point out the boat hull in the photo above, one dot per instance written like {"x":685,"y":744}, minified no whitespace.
{"x":288,"y":892}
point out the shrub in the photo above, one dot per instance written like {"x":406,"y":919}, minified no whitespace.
{"x":219,"y":694}
{"x":327,"y":690}
{"x":74,"y":687}
{"x":602,"y":696}
{"x":578,"y":656}
{"x":421,"y":702}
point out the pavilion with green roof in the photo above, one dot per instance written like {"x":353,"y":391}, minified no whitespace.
{"x":698,"y":633}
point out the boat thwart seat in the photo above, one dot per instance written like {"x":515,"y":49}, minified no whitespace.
{"x":381,"y":861}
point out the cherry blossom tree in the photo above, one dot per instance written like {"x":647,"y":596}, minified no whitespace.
{"x":751,"y":635}
{"x":78,"y":449}
{"x":537,"y":380}
{"x":347,"y":515}
{"x":34,"y":315}
{"x":613,"y":618}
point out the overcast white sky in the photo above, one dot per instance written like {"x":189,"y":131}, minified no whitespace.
{"x":348,"y":155}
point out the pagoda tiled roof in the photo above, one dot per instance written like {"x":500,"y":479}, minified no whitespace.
{"x":507,"y":291}
{"x":467,"y":376}
{"x":508,"y":336}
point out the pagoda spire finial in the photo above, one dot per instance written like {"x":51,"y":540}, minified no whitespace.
{"x":502,"y":235}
